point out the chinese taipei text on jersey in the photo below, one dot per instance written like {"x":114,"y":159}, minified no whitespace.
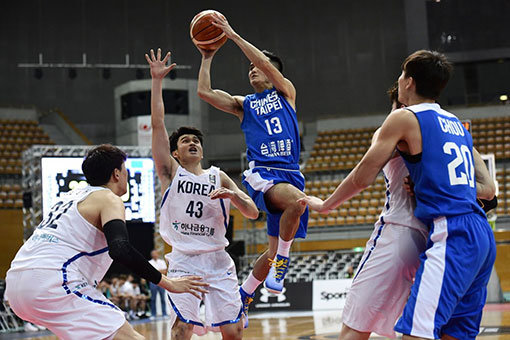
{"x":273,"y":146}
{"x":270,"y":128}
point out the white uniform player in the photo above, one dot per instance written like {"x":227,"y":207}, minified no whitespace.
{"x":59,"y":266}
{"x":195,"y":226}
{"x":53,"y":277}
{"x":194,"y":218}
{"x":385,"y":274}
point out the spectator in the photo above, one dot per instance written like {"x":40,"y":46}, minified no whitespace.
{"x":160,"y":265}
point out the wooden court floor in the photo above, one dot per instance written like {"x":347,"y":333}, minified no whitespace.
{"x":322,"y":325}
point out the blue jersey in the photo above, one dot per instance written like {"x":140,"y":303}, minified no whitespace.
{"x":271,"y":130}
{"x":444,"y":178}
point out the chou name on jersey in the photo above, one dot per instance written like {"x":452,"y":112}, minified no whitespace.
{"x":187,"y":187}
{"x":453,"y":127}
{"x":267,"y":104}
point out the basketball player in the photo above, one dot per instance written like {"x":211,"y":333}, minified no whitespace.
{"x":52,"y":280}
{"x":383,"y":280}
{"x":194,"y":219}
{"x":449,"y":291}
{"x":269,"y":122}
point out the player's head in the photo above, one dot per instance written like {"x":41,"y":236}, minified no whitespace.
{"x":186,"y":144}
{"x":104,"y":164}
{"x":424,"y":73}
{"x":258,"y":78}
{"x":155,"y":254}
{"x":393,"y":96}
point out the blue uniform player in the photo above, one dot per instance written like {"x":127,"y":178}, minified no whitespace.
{"x":449,"y":291}
{"x":268,"y":119}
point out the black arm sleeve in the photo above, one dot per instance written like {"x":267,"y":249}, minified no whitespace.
{"x":122,"y":251}
{"x":488,"y":205}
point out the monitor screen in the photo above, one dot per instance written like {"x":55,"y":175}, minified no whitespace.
{"x":61,"y":174}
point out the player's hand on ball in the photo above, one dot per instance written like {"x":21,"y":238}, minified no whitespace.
{"x":206,"y":53}
{"x":186,"y":284}
{"x":221,"y":193}
{"x":314,"y":203}
{"x":222,"y":22}
{"x":158,"y":67}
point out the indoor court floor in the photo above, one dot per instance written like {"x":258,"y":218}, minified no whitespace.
{"x":323,"y":325}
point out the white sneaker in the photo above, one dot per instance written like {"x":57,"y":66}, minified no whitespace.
{"x":30,"y":328}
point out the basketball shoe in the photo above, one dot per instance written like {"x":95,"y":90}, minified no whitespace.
{"x":274,"y":280}
{"x":246,"y":299}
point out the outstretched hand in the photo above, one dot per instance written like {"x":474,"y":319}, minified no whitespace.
{"x":314,"y":203}
{"x":221,"y":193}
{"x":158,"y":67}
{"x":221,"y":22}
{"x":185,"y":284}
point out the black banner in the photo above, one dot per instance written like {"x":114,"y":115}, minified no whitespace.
{"x":295,"y":296}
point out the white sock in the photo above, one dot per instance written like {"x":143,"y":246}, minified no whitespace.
{"x":251,"y":284}
{"x":284,"y":247}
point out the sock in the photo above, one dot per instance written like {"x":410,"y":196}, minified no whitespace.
{"x":284,"y":247}
{"x":251,"y":284}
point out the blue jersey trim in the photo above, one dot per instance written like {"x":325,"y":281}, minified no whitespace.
{"x":224,"y":213}
{"x":236,"y":320}
{"x":388,"y":193}
{"x":196,"y":323}
{"x":77,"y":292}
{"x":372,"y":248}
{"x":165,"y":195}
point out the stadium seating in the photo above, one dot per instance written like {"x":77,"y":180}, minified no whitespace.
{"x":306,"y":267}
{"x":16,"y":135}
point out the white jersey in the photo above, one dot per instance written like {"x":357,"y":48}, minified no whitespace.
{"x":399,"y":206}
{"x":191,"y":222}
{"x":65,"y":241}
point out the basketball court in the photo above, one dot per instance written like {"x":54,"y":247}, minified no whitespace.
{"x":318,"y":325}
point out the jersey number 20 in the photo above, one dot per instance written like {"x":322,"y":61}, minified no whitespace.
{"x":462,"y":157}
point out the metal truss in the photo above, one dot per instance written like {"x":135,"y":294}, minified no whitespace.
{"x":31,"y":181}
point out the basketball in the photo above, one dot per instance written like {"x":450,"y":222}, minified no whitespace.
{"x":204,"y":34}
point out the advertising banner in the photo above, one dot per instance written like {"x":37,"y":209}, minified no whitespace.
{"x":330,"y":294}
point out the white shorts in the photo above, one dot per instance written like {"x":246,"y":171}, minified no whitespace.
{"x":38,"y":296}
{"x":384,"y":278}
{"x":222,"y":303}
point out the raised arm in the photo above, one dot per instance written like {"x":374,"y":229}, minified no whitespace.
{"x":166,"y":165}
{"x":258,"y":59}
{"x":238,"y":198}
{"x":219,"y":99}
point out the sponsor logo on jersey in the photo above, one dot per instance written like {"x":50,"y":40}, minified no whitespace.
{"x":193,"y":229}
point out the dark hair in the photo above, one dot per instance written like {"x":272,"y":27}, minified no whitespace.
{"x":274,"y":59}
{"x":184,"y":130}
{"x":100,"y":162}
{"x":430,"y":70}
{"x":393,"y":95}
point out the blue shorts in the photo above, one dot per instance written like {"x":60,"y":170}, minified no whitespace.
{"x":258,"y":180}
{"x":449,"y":290}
